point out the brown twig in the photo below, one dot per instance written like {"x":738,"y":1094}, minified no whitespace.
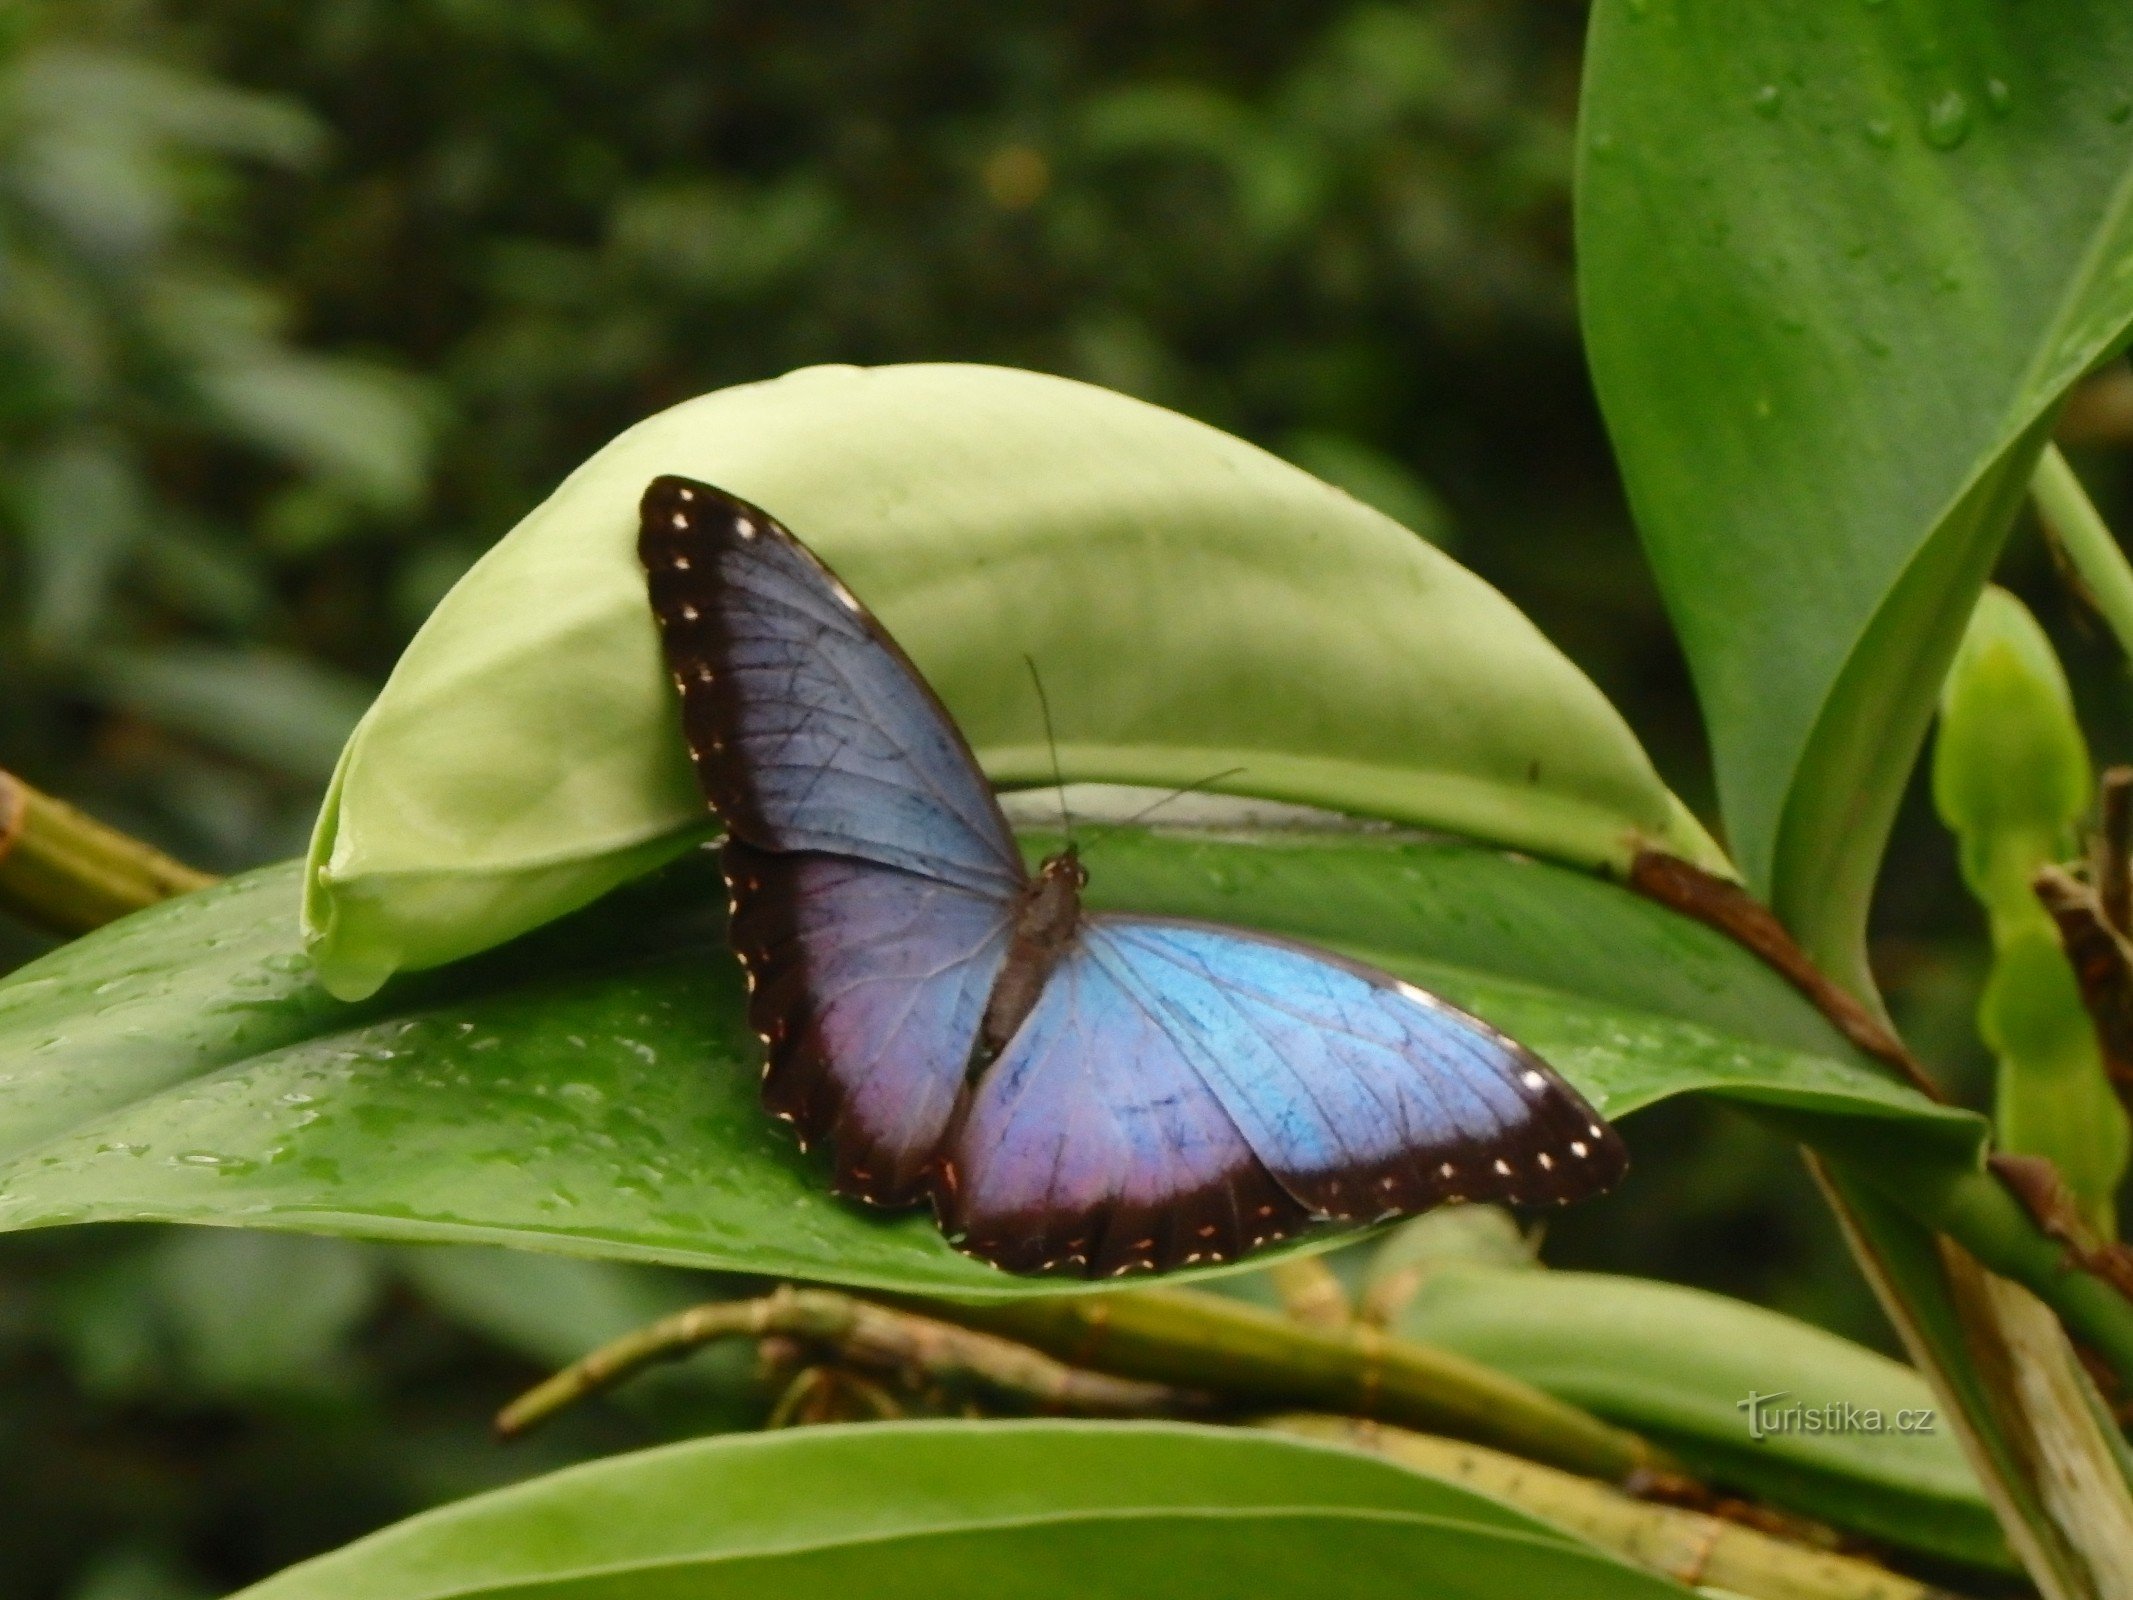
{"x":68,"y":873}
{"x":916,"y":1349}
{"x":2102,"y":960}
{"x":1722,"y":904}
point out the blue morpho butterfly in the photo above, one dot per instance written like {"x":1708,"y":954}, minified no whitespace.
{"x":1093,"y":1094}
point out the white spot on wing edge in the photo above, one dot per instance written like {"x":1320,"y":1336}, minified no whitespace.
{"x":1532,"y":1079}
{"x":745,"y":527}
{"x":1421,"y":997}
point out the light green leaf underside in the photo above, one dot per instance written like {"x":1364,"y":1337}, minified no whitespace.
{"x":592,"y":1089}
{"x":926,"y":1509}
{"x":1837,"y":268}
{"x":1677,"y":1364}
{"x":1194,"y":605}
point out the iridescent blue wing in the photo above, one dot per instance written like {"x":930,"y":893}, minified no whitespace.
{"x":809,"y":728}
{"x":1185,"y":1091}
{"x":873,"y":878}
{"x":867,"y":984}
{"x":1094,"y":1144}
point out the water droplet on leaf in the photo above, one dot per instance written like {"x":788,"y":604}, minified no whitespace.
{"x":1948,"y":120}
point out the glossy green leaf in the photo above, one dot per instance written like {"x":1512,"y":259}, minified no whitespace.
{"x":1678,"y":1366}
{"x":925,"y":1509}
{"x":591,"y":1089}
{"x":1194,"y":605}
{"x":1838,"y":265}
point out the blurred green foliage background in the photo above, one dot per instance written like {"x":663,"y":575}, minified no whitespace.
{"x":304,"y":302}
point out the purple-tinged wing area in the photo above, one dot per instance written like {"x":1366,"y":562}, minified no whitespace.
{"x":1364,"y":1095}
{"x":867,"y":984}
{"x":1093,"y":1145}
{"x":809,"y":728}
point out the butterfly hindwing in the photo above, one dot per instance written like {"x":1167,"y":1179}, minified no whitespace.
{"x":1094,"y":1146}
{"x":1364,"y":1095}
{"x":808,"y":726}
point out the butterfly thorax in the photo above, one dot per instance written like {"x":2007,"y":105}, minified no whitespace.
{"x":1044,"y":926}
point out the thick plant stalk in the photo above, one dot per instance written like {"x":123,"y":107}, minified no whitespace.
{"x":1184,"y":1337}
{"x":68,"y":873}
{"x":1972,"y":1206}
{"x":1311,"y":1293}
{"x":2090,"y":550}
{"x":864,"y":1335}
{"x":2045,"y":1452}
{"x":1691,"y":1547}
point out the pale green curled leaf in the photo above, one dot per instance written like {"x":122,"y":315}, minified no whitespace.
{"x":2011,"y":769}
{"x":592,"y":1089}
{"x":1837,"y":266}
{"x":1678,"y":1365}
{"x":1193,"y":604}
{"x":2011,"y":777}
{"x":1033,"y":1509}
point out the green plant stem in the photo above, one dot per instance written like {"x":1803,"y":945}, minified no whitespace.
{"x":1207,"y":1341}
{"x":2094,"y":555}
{"x":878,"y":1337}
{"x":1311,"y":1292}
{"x":1975,"y":1208}
{"x":68,"y":873}
{"x":1690,"y":1547}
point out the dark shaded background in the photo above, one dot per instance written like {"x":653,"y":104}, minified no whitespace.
{"x":304,"y":302}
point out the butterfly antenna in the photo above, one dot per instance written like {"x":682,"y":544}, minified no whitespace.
{"x":1154,"y":806}
{"x":1044,"y":705}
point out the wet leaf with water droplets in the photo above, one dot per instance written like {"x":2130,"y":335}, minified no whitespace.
{"x":593,"y":1088}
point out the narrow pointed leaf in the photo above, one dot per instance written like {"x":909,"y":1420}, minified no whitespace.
{"x":1679,"y":1366}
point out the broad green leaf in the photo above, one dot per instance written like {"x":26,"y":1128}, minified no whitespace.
{"x":1838,"y":265}
{"x":592,"y":1089}
{"x":1022,"y":1509}
{"x":1194,"y":606}
{"x":1678,"y":1366}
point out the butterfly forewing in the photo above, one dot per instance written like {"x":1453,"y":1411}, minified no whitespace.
{"x":808,"y":727}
